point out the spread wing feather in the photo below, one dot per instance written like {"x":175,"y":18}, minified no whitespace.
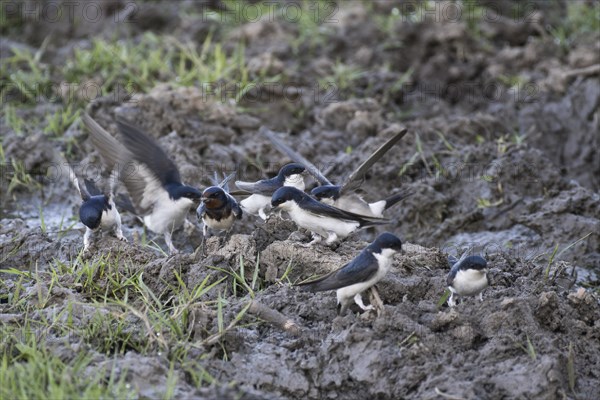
{"x":294,"y":156}
{"x":356,"y":177}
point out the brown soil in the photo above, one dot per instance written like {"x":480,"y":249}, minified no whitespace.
{"x":514,"y":199}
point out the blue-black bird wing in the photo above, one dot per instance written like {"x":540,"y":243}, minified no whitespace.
{"x":452,"y":261}
{"x":141,"y":164}
{"x":147,"y":151}
{"x":235,"y":207}
{"x":214,"y":180}
{"x":397,"y":197}
{"x":92,"y":188}
{"x":147,"y":171}
{"x":266,"y":187}
{"x":454,"y":267}
{"x":83,"y":191}
{"x":294,"y":156}
{"x":316,"y":207}
{"x":360,"y":269}
{"x":124,"y":202}
{"x":225,"y":182}
{"x":355,"y":179}
{"x":111,"y":151}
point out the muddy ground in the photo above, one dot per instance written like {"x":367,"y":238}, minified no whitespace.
{"x":502,"y":154}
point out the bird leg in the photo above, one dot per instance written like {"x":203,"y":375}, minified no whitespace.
{"x":227,"y":235}
{"x":272,"y":213}
{"x":316,"y":238}
{"x":203,"y":241}
{"x":188,"y":227}
{"x":119,"y":232}
{"x":359,"y":301}
{"x":200,"y":250}
{"x":169,"y":242}
{"x":451,"y":302}
{"x":376,"y":300}
{"x":332,"y":238}
{"x":261,"y":213}
{"x":342,"y":307}
{"x":481,"y":296}
{"x":86,"y":238}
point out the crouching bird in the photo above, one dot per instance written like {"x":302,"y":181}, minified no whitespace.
{"x":98,"y":211}
{"x":467,"y":277}
{"x":360,"y":274}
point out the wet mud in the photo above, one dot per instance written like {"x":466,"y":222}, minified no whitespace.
{"x":515,"y":173}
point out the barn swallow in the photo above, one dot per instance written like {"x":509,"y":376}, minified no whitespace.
{"x":319,"y":218}
{"x":218,"y":210}
{"x":149,"y":175}
{"x":98,"y":210}
{"x":467,"y":277}
{"x":360,"y":274}
{"x":342,"y":196}
{"x":289,"y":175}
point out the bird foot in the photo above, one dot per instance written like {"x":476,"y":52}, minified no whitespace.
{"x":451,"y":301}
{"x":316,"y":239}
{"x":262,"y":215}
{"x":200,"y":250}
{"x":120,"y":236}
{"x":359,"y":301}
{"x":169,"y":242}
{"x":331,"y":239}
{"x":270,"y":216}
{"x":376,"y":300}
{"x":188,"y":227}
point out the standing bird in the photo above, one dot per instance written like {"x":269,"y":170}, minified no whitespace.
{"x":321,"y":219}
{"x":467,"y":277}
{"x":98,"y":210}
{"x":289,"y":175}
{"x":218,"y":210}
{"x":360,"y":274}
{"x":150,"y":176}
{"x":343,"y":196}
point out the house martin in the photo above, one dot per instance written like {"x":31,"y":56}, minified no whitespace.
{"x":149,"y":175}
{"x":98,"y":211}
{"x":360,"y":274}
{"x":343,"y":196}
{"x":289,"y":175}
{"x":467,"y":277}
{"x":321,"y":219}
